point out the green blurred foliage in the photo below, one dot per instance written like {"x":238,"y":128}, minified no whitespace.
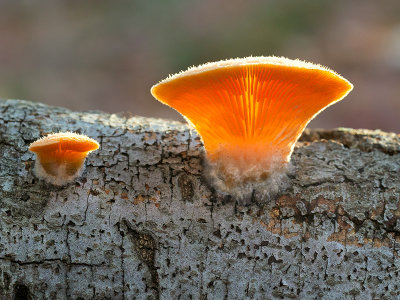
{"x":107,"y":54}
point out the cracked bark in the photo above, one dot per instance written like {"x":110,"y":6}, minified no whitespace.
{"x":142,"y":223}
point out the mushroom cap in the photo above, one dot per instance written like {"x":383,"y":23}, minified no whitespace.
{"x":64,"y":141}
{"x":251,"y":110}
{"x":61,"y":156}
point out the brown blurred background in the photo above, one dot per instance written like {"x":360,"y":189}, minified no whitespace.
{"x":105,"y":55}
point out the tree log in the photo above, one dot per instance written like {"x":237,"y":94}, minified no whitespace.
{"x":142,"y":222}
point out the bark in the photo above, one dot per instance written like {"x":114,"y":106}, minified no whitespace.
{"x":143,"y":223}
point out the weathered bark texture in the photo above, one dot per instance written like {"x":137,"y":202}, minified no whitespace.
{"x":142,"y":223}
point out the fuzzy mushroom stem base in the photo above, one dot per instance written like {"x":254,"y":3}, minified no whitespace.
{"x":142,"y":221}
{"x":241,"y":171}
{"x":58,"y":173}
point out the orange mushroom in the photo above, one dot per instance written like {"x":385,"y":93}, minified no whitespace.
{"x":251,"y":111}
{"x":60,"y":156}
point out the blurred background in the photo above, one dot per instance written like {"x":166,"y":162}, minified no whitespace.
{"x":106,"y":55}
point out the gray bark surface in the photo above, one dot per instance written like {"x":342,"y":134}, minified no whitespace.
{"x":142,"y":222}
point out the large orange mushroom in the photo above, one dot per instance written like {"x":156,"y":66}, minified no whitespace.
{"x":60,"y":156}
{"x":251,"y":111}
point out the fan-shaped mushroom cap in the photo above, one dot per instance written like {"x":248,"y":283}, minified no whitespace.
{"x":61,"y":156}
{"x":250,"y":112}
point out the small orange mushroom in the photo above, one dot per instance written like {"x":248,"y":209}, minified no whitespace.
{"x":250,"y":112}
{"x":60,"y":156}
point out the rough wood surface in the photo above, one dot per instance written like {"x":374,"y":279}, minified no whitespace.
{"x":141,"y":223}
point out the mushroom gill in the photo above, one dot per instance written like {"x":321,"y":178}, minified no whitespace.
{"x":60,"y":156}
{"x":251,"y":111}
